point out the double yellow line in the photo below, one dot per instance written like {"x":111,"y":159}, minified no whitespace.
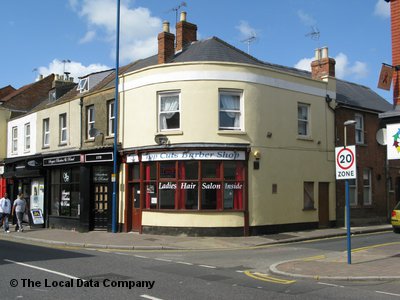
{"x":265,"y":277}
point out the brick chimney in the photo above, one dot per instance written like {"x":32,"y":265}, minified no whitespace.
{"x":395,"y":27}
{"x":186,"y":33}
{"x":166,"y":47}
{"x":323,"y":65}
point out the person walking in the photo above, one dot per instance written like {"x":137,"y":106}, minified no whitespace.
{"x":5,"y":208}
{"x":19,"y":208}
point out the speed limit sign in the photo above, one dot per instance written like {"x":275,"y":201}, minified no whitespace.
{"x":346,"y":162}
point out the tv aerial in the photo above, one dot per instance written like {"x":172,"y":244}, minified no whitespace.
{"x":176,"y":9}
{"x":252,"y":38}
{"x":314,"y":33}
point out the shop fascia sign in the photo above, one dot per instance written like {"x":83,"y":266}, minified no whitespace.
{"x":188,"y":155}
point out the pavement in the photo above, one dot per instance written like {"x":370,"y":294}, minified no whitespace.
{"x":378,"y":262}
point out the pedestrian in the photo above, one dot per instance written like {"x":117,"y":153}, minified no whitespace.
{"x":19,"y":208}
{"x":5,"y":208}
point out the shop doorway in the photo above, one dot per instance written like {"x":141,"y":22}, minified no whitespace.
{"x":323,"y":204}
{"x":136,"y":208}
{"x":101,"y":199}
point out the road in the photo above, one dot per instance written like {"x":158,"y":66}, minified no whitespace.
{"x":65,"y":273}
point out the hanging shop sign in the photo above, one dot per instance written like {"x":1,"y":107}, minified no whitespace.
{"x":189,"y":155}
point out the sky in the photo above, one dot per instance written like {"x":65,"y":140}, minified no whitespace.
{"x":78,"y":36}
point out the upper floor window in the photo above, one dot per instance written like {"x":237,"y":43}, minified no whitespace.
{"x":230,"y":110}
{"x":303,"y":119}
{"x":63,"y":129}
{"x":359,"y":128}
{"x":90,"y":122}
{"x":111,"y":117}
{"x":46,"y":132}
{"x":169,"y":111}
{"x":14,"y":137}
{"x":27,"y":137}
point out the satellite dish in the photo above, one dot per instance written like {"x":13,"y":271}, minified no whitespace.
{"x":161,"y":139}
{"x":381,"y":136}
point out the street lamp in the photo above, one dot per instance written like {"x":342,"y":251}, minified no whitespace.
{"x":347,"y":210}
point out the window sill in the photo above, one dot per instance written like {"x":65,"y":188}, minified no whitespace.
{"x":231,"y":132}
{"x":45,"y":147}
{"x":172,"y":132}
{"x":305,"y":138}
{"x":89,"y":140}
{"x":309,"y":209}
{"x":62,"y":145}
{"x":109,"y":137}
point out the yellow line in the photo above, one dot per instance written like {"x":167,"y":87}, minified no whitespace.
{"x":264,"y":277}
{"x":317,"y":257}
{"x":374,"y":246}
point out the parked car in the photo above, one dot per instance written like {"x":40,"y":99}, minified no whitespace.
{"x":396,"y":218}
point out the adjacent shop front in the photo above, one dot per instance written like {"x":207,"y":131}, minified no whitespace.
{"x":196,"y":191}
{"x":79,"y":190}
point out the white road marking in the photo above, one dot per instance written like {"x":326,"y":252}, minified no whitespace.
{"x":163,"y":259}
{"x":140,"y":256}
{"x":184,"y":263}
{"x":43,"y":269}
{"x":150,"y":297}
{"x":390,"y":294}
{"x":330,"y":284}
{"x":206,"y":266}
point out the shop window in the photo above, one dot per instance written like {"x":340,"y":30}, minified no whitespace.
{"x":65,"y":192}
{"x":190,"y":185}
{"x":169,"y":111}
{"x":230,"y":110}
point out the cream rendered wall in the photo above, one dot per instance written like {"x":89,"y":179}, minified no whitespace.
{"x":270,"y":105}
{"x":72,"y":109}
{"x":4,"y":117}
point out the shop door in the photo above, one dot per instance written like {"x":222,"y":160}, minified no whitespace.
{"x":136,"y":208}
{"x":323,"y":204}
{"x":101,"y":197}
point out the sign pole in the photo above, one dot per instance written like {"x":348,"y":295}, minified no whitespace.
{"x":348,"y":222}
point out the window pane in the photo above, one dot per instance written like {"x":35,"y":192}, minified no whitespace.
{"x":166,"y":195}
{"x":229,"y":110}
{"x":210,"y":194}
{"x":211,"y":169}
{"x":308,"y":195}
{"x":167,"y":170}
{"x":188,"y":170}
{"x":169,"y":111}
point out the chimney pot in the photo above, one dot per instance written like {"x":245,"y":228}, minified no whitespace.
{"x":324,"y":52}
{"x":183,"y":16}
{"x":166,"y":26}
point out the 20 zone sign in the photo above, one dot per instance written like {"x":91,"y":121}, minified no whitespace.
{"x":345,"y":162}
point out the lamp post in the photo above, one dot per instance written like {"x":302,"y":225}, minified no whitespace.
{"x":115,"y":152}
{"x":347,"y":199}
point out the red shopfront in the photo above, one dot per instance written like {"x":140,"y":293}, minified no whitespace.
{"x":184,"y":181}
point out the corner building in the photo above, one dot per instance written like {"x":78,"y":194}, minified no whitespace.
{"x":216,"y":142}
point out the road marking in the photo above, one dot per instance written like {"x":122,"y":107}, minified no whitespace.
{"x":163,"y":259}
{"x":311,"y":258}
{"x":265,"y":277}
{"x":140,"y":256}
{"x":330,"y":284}
{"x":184,"y":263}
{"x":43,"y":269}
{"x":374,"y":246}
{"x":150,"y":297}
{"x":390,"y":294}
{"x":206,"y":266}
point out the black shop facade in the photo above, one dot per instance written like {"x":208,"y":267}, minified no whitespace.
{"x":79,"y":190}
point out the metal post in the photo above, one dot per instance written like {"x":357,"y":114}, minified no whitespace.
{"x":348,"y":223}
{"x":115,"y":157}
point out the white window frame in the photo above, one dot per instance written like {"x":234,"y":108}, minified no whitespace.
{"x":162,"y":121}
{"x":239,"y":112}
{"x":46,"y":132}
{"x":111,"y":117}
{"x":306,"y":121}
{"x":63,"y":129}
{"x":359,"y":128}
{"x":14,"y":138}
{"x":83,"y":85}
{"x":90,"y":121}
{"x":27,"y":137}
{"x":367,"y":186}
